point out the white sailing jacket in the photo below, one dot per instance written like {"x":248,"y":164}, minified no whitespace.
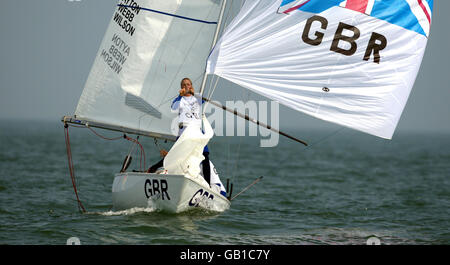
{"x":189,"y":111}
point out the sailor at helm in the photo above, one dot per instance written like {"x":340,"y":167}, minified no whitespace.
{"x":188,"y":108}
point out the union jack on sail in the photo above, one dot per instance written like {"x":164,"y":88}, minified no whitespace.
{"x":363,"y":6}
{"x":289,"y":6}
{"x":414,"y":14}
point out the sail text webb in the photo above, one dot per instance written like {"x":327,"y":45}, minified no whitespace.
{"x":125,"y":14}
{"x":109,"y":60}
{"x":117,"y":54}
{"x":124,"y":24}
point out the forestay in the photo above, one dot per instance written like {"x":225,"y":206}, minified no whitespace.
{"x":350,"y":62}
{"x":149,"y":46}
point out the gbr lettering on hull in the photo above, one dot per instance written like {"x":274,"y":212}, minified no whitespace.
{"x":198,"y":196}
{"x":153,"y":187}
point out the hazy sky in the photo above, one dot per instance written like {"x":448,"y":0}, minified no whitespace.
{"x":48,"y":47}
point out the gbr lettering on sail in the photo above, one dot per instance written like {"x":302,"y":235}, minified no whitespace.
{"x":344,"y":41}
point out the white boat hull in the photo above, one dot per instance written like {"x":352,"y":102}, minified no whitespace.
{"x":170,"y":193}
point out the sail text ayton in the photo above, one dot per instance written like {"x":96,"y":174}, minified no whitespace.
{"x":117,"y":54}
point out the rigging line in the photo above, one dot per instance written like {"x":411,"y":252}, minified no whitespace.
{"x":157,"y":145}
{"x":198,"y":77}
{"x":168,"y":14}
{"x":172,"y":98}
{"x":92,"y":130}
{"x":214,"y":87}
{"x":187,"y":54}
{"x":209,"y":96}
{"x":163,"y":46}
{"x":237,"y":159}
{"x":76,"y":126}
{"x":240,"y":142}
{"x":140,"y":160}
{"x":228,"y":157}
{"x":229,"y":164}
{"x":103,"y":137}
{"x":140,"y":119}
{"x":228,"y":16}
{"x":246,"y":117}
{"x":179,"y":68}
{"x":133,"y":145}
{"x":139,"y":153}
{"x":142,"y":153}
{"x":227,"y":21}
{"x":142,"y":149}
{"x":211,"y":90}
{"x":216,"y":35}
{"x":246,"y":188}
{"x":326,"y":137}
{"x":71,"y":167}
{"x":208,"y":86}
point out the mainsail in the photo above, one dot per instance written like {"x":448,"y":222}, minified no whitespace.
{"x":350,"y":62}
{"x":149,"y":46}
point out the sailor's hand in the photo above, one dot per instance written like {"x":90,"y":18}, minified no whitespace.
{"x":181,"y":92}
{"x":163,"y":152}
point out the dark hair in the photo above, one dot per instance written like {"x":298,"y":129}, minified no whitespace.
{"x":186,"y":78}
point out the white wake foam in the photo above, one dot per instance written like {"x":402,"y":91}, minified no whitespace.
{"x":130,"y":211}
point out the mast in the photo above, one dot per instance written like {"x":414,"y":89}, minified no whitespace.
{"x":216,"y":35}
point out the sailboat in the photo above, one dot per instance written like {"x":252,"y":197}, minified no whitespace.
{"x":349,"y":62}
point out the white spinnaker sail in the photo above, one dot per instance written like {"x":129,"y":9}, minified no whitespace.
{"x":149,"y":46}
{"x":350,"y":62}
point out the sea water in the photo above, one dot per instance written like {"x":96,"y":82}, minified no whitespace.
{"x":345,"y":188}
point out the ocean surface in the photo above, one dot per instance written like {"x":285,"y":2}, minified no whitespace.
{"x":343,"y":189}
